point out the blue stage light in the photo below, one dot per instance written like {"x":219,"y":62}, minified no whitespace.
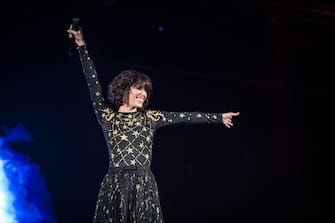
{"x":23,"y":194}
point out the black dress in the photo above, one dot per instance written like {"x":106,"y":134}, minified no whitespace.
{"x":129,"y":192}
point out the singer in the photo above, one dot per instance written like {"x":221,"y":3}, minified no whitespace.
{"x":129,"y":192}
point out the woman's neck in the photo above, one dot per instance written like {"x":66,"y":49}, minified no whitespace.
{"x":127,"y":108}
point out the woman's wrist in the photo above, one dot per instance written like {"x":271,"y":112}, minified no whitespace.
{"x":81,"y":43}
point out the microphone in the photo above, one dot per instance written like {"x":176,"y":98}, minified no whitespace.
{"x":75,"y":27}
{"x":75,"y":24}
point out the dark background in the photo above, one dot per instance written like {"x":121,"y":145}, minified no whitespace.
{"x":269,"y":60}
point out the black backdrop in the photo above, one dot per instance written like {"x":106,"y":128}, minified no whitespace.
{"x":201,"y":56}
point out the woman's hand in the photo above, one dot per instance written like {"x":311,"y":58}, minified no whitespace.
{"x":227,"y":118}
{"x":77,"y":35}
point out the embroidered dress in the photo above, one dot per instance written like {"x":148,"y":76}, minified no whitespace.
{"x":129,"y":192}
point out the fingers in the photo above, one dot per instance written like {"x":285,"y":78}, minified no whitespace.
{"x":228,"y":123}
{"x":227,"y":118}
{"x":72,"y":32}
{"x":77,"y":36}
{"x":234,"y":113}
{"x":230,"y":115}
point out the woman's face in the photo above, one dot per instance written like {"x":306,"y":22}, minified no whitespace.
{"x":137,"y":96}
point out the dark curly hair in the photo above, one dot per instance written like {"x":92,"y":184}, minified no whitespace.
{"x":118,"y":89}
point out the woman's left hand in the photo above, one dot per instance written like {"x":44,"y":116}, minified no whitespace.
{"x":227,"y":118}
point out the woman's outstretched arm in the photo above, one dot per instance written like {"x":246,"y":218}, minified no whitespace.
{"x":163,"y":118}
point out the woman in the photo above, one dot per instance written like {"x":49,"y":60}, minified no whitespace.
{"x":129,"y":192}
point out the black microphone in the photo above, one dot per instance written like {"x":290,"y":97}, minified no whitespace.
{"x":75,"y":27}
{"x":75,"y":24}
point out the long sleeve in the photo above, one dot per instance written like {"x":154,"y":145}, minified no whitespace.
{"x":99,"y":105}
{"x":163,"y":118}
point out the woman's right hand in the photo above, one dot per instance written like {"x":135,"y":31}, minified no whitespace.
{"x":77,"y":35}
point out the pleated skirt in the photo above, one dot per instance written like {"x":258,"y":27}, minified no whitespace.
{"x":128,"y":195}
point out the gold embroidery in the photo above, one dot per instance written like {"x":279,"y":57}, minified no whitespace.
{"x":124,"y":137}
{"x":155,"y":115}
{"x":107,"y":114}
{"x":136,"y":133}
